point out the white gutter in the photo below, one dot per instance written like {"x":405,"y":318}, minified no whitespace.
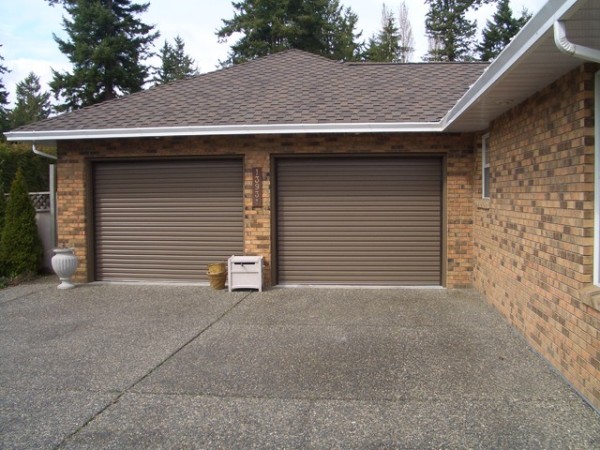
{"x":221,"y":130}
{"x":40,"y":153}
{"x":565,"y":46}
{"x":525,"y":41}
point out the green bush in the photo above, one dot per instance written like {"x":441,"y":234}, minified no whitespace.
{"x":20,"y":156}
{"x":21,"y":248}
{"x":2,"y":217}
{"x":2,"y":207}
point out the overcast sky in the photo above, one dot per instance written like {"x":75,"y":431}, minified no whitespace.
{"x":27,"y":26}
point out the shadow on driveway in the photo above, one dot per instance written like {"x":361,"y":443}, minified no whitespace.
{"x":122,"y":366}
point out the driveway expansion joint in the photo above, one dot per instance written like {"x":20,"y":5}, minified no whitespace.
{"x":28,"y":294}
{"x":120,"y":394}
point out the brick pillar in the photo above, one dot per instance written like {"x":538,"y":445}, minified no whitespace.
{"x":72,"y":214}
{"x":257,"y":220}
{"x":460,"y":219}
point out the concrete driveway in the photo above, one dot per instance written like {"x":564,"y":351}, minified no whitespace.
{"x":114,"y":366}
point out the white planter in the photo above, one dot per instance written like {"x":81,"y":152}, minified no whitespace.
{"x":64,"y":264}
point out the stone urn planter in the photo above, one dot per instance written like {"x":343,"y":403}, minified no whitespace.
{"x":64,"y":263}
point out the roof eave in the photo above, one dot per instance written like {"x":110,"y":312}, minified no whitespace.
{"x":522,"y":43}
{"x":223,"y":130}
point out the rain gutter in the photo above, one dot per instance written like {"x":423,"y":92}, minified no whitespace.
{"x":223,"y":130}
{"x":524,"y":42}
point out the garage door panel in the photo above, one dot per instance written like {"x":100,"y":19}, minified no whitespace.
{"x":359,"y":221}
{"x":166,"y":220}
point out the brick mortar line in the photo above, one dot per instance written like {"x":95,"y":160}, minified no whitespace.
{"x":120,"y":394}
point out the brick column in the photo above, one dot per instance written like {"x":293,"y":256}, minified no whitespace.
{"x":71,"y":205}
{"x":257,"y":220}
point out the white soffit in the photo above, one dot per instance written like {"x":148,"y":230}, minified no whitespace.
{"x":528,"y":64}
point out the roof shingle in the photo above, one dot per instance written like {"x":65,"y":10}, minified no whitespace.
{"x":291,"y":87}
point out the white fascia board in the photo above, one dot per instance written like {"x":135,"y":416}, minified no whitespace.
{"x":416,"y":127}
{"x":522,"y":43}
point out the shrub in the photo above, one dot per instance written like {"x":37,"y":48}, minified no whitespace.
{"x":34,"y":167}
{"x":2,"y":216}
{"x":21,"y":248}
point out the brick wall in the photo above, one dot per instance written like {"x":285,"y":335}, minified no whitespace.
{"x":533,"y":240}
{"x":73,"y":181}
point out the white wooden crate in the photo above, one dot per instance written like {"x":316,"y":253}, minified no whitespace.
{"x":245,"y":272}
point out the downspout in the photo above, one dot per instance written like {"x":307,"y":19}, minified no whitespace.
{"x":587,"y":54}
{"x":566,"y":46}
{"x":52,"y":183}
{"x":40,"y":153}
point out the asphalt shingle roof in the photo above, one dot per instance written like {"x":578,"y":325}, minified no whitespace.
{"x":291,"y":87}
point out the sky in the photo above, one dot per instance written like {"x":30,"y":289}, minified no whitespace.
{"x":27,"y":26}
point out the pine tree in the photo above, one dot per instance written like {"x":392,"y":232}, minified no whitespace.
{"x":32,"y":104}
{"x":385,"y":46}
{"x":405,"y":35}
{"x":4,"y":122}
{"x":267,"y":26}
{"x":498,"y":32}
{"x":175,"y":64}
{"x":341,"y":37}
{"x":21,"y":248}
{"x":106,"y":44}
{"x":451,"y":34}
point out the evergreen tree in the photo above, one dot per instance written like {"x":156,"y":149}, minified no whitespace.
{"x":4,"y":122}
{"x":385,"y":47}
{"x":21,"y":248}
{"x":267,"y":26}
{"x":106,"y":44}
{"x":500,"y":30}
{"x":35,"y":169}
{"x":32,"y":104}
{"x":340,"y":36}
{"x":175,"y":64}
{"x":451,"y":34}
{"x":406,"y":39}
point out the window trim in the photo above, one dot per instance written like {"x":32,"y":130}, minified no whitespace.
{"x":596,"y":269}
{"x":485,"y":164}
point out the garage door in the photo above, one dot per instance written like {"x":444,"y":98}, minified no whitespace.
{"x":166,"y":221}
{"x":364,"y":221}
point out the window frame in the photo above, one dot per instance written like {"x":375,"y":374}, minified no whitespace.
{"x":485,"y":166}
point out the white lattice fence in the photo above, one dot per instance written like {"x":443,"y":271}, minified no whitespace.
{"x":40,"y":200}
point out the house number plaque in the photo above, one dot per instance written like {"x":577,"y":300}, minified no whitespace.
{"x":257,"y":182}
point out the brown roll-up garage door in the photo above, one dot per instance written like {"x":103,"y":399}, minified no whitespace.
{"x":364,"y":221}
{"x":166,"y":221}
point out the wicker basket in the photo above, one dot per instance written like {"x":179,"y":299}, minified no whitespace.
{"x":217,"y":275}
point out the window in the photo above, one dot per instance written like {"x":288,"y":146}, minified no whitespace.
{"x":485,"y":167}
